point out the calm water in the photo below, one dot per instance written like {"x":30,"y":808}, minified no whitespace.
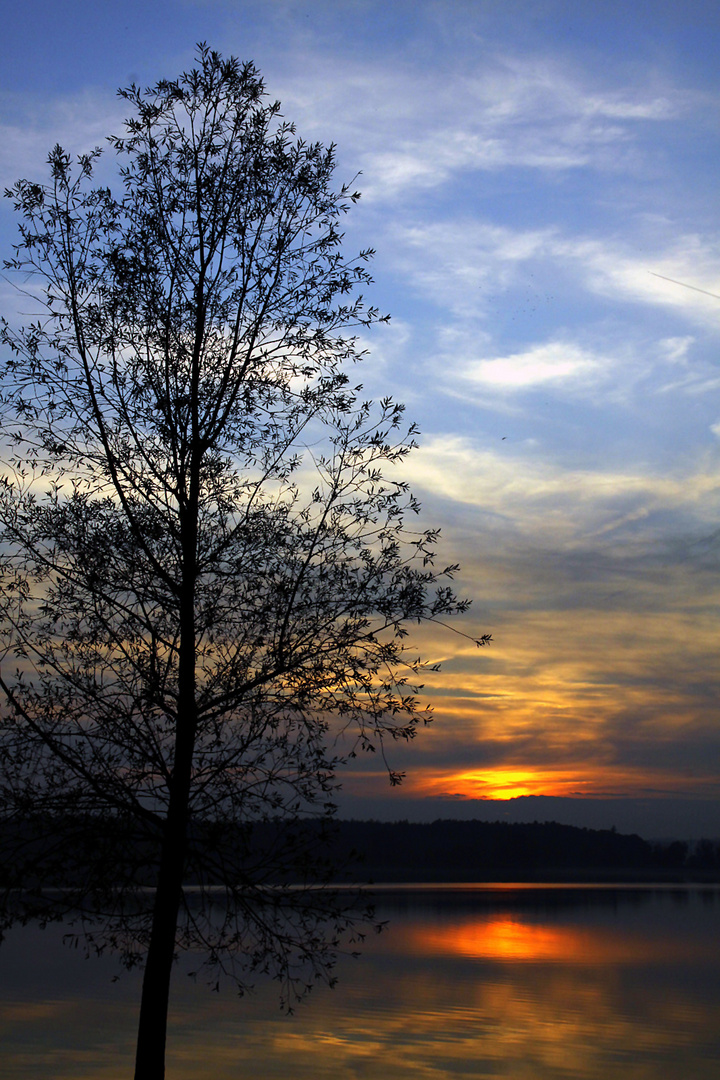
{"x":520,"y":983}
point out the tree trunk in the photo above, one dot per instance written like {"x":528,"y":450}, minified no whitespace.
{"x":152,"y":1026}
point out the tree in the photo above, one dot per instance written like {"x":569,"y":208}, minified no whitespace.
{"x":205,"y":567}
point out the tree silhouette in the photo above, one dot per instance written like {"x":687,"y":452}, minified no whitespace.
{"x":206,"y":574}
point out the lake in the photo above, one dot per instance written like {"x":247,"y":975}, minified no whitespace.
{"x":525,"y":982}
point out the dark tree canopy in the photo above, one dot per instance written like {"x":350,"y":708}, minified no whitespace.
{"x":207,"y":574}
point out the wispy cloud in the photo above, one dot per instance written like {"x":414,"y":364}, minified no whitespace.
{"x":496,"y":111}
{"x":463,"y":264}
{"x":614,"y":269}
{"x":29,"y":128}
{"x":542,"y":498}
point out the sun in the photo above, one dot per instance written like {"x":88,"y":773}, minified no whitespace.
{"x":503,"y":783}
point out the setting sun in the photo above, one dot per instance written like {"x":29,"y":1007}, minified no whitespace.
{"x":504,"y":784}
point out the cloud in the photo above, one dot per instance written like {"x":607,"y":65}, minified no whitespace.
{"x":612,"y":268}
{"x":462,"y":264}
{"x":554,"y":363}
{"x":675,"y":349}
{"x":610,"y":372}
{"x":596,"y":699}
{"x":418,"y":128}
{"x":30,"y":127}
{"x":465,"y":264}
{"x":547,"y":498}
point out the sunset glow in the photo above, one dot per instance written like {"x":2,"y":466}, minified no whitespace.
{"x":505,"y":784}
{"x":539,"y":183}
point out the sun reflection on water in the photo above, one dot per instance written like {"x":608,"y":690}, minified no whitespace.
{"x":507,"y":938}
{"x":533,"y":993}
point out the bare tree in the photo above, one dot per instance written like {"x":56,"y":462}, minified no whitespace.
{"x":206,"y":574}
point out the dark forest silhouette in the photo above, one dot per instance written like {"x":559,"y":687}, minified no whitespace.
{"x":342,"y":852}
{"x":447,"y":850}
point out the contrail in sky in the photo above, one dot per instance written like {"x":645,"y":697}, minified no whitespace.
{"x":684,"y":285}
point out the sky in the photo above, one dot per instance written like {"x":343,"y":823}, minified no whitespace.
{"x":540,"y":185}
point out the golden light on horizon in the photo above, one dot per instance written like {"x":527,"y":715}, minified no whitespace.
{"x":593,"y":781}
{"x":559,"y":704}
{"x":504,"y":783}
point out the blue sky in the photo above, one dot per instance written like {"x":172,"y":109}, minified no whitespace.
{"x":532,"y":174}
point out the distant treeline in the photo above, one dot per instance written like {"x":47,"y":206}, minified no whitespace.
{"x":460,"y":851}
{"x":61,"y":851}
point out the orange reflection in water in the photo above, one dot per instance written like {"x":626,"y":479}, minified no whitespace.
{"x":507,"y":938}
{"x":403,"y":1011}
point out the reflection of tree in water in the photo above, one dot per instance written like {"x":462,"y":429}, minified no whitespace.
{"x":206,"y":572}
{"x":646,"y":996}
{"x":270,"y":910}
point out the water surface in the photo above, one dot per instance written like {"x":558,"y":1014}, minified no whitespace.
{"x":538,"y":983}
